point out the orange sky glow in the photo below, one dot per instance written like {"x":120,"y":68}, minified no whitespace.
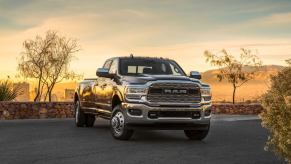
{"x":180,"y":30}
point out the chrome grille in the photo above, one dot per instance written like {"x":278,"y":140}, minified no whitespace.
{"x":175,"y":93}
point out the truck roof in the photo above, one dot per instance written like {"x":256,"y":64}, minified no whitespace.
{"x":139,"y":57}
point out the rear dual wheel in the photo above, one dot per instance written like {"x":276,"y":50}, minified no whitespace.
{"x":81,"y":118}
{"x":90,"y":119}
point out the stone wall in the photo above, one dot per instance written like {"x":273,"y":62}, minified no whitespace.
{"x":244,"y":109}
{"x":36,"y":110}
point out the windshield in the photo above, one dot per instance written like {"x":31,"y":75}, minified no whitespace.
{"x":140,"y":66}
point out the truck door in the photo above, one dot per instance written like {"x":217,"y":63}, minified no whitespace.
{"x":85,"y":95}
{"x":99,"y":89}
{"x":109,"y":86}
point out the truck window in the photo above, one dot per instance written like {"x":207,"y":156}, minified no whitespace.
{"x":139,"y":66}
{"x":113,"y":67}
{"x":107,"y":64}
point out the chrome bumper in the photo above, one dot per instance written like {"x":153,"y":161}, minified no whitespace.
{"x":143,"y":121}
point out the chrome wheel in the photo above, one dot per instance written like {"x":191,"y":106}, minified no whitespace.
{"x":118,"y":127}
{"x":117,"y":123}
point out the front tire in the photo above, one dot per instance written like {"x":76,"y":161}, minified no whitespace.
{"x":197,"y":134}
{"x":79,"y":115}
{"x":118,"y":125}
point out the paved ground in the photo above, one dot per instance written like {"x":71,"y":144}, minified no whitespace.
{"x":231,"y":140}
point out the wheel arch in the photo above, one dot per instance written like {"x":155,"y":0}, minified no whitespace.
{"x":76,"y":97}
{"x":116,"y":100}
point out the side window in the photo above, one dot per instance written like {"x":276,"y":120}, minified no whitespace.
{"x":163,"y":68}
{"x":113,"y":67}
{"x":107,"y":64}
{"x":175,"y":70}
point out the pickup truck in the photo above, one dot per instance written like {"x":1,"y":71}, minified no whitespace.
{"x":144,"y":93}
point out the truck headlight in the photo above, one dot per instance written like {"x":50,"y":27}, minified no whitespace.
{"x":135,"y":92}
{"x":206,"y":94}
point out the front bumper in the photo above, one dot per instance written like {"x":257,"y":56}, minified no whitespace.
{"x":185,"y":123}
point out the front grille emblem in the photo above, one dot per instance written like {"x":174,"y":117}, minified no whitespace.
{"x":175,"y":91}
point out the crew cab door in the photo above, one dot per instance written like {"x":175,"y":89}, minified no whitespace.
{"x":87,"y":95}
{"x":99,"y":86}
{"x":107,"y":86}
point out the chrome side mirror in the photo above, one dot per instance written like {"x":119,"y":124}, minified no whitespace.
{"x":103,"y":72}
{"x":195,"y":75}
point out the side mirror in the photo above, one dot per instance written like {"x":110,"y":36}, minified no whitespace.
{"x":195,"y":75}
{"x":103,"y":72}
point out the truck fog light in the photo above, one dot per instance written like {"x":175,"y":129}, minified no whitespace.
{"x":207,"y":112}
{"x":153,"y":114}
{"x":135,"y":112}
{"x":196,"y":114}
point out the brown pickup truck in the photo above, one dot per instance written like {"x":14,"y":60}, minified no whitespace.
{"x":144,"y":93}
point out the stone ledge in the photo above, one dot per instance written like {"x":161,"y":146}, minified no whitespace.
{"x":240,"y":109}
{"x":35,"y":110}
{"x":40,"y":110}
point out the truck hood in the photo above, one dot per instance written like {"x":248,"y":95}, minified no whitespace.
{"x":146,"y":78}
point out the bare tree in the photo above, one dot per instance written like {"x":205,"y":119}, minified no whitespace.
{"x":34,"y":59}
{"x":234,"y":70}
{"x":60,"y":54}
{"x":47,"y":60}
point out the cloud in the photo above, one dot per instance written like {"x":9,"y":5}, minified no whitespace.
{"x":174,"y":29}
{"x":270,"y":22}
{"x":99,"y":38}
{"x":277,"y":19}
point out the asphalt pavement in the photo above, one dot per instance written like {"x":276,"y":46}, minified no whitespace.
{"x":235,"y":139}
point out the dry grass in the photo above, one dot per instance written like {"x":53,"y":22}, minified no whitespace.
{"x":223,"y":92}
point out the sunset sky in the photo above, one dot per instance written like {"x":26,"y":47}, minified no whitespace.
{"x":177,"y":29}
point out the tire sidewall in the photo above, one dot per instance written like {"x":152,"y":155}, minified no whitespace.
{"x":115,"y":110}
{"x":77,"y":112}
{"x":126,"y":133}
{"x":79,"y":115}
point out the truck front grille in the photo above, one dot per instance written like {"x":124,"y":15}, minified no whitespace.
{"x":174,"y":93}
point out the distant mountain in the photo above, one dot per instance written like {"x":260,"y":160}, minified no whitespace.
{"x":262,"y":74}
{"x":251,"y":90}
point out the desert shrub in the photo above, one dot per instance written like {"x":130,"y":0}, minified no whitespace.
{"x":7,"y":91}
{"x":276,"y":116}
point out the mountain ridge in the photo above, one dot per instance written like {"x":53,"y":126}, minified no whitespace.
{"x":252,"y":90}
{"x":264,"y":72}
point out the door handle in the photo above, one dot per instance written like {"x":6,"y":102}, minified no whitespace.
{"x":103,"y":85}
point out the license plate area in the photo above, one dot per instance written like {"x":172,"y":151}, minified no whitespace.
{"x":174,"y":114}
